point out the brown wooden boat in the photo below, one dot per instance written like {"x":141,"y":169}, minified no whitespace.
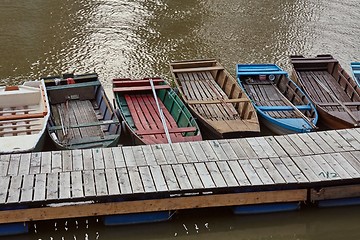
{"x":222,"y":108}
{"x":334,"y":93}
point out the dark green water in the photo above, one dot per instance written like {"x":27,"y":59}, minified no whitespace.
{"x":138,"y":38}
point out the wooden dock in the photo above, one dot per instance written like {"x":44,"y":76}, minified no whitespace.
{"x":93,"y":182}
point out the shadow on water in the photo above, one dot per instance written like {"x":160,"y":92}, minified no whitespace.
{"x":212,"y":224}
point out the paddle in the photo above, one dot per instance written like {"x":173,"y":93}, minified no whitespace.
{"x":336,"y":99}
{"x":296,"y":110}
{"x":160,"y":112}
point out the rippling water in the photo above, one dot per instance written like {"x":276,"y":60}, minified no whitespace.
{"x":138,"y":38}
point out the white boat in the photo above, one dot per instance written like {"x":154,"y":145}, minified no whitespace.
{"x":24,"y":112}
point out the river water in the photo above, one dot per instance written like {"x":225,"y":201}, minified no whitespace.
{"x":138,"y":38}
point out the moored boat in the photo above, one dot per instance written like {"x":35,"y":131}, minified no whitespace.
{"x":24,"y":112}
{"x":81,"y":114}
{"x":281,"y":105}
{"x":334,"y":93}
{"x":355,"y":68}
{"x":153,"y":113}
{"x":215,"y":99}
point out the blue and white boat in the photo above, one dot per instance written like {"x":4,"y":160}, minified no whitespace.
{"x":355,"y":68}
{"x":281,"y":105}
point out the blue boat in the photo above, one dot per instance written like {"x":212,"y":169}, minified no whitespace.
{"x":282,"y":106}
{"x":355,"y":67}
{"x":137,"y":218}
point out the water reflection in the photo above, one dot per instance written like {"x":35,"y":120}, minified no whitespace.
{"x":214,"y":224}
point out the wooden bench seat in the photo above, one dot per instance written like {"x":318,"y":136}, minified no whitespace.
{"x":140,"y":88}
{"x":162,"y":131}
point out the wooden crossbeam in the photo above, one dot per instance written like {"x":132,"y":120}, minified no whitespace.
{"x":140,"y":88}
{"x":162,"y":131}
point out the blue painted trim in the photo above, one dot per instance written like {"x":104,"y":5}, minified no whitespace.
{"x":339,"y":202}
{"x":355,"y":67}
{"x":136,"y":218}
{"x":259,"y":69}
{"x":13,"y":229}
{"x":284,"y":108}
{"x":267,"y":208}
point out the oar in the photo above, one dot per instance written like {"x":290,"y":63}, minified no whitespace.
{"x":296,"y":109}
{"x":336,"y":99}
{"x":160,"y":112}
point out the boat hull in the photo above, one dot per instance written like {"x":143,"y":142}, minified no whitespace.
{"x":137,"y":218}
{"x":266,"y":208}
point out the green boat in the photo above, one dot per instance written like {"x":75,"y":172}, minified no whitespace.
{"x":153,"y":113}
{"x":81,"y":113}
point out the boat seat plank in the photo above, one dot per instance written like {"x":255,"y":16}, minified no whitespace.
{"x":285,"y":108}
{"x":71,"y":86}
{"x":15,"y":132}
{"x":139,"y":88}
{"x":106,"y":122}
{"x":15,"y":126}
{"x":22,"y":116}
{"x":198,"y":69}
{"x":138,"y":83}
{"x":162,"y":131}
{"x":26,"y":110}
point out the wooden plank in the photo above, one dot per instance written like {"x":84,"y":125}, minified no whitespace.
{"x":112,"y":181}
{"x":77,"y":189}
{"x":52,"y":186}
{"x":336,"y":192}
{"x":283,"y":170}
{"x":135,"y":180}
{"x":356,"y":136}
{"x":108,"y":158}
{"x":188,"y":152}
{"x":56,"y":164}
{"x":98,"y":158}
{"x":228,"y":150}
{"x":149,"y":155}
{"x":220,"y":153}
{"x":159,"y":179}
{"x":141,"y":206}
{"x":269,"y":151}
{"x":39,"y":187}
{"x":326,"y":148}
{"x":35,"y":163}
{"x":159,"y":155}
{"x":4,"y":187}
{"x":208,"y":150}
{"x":200,"y":153}
{"x":77,"y":160}
{"x":170,"y":178}
{"x":247,"y":148}
{"x":326,"y":172}
{"x":65,"y":185}
{"x":330,"y":141}
{"x":290,"y":150}
{"x":239,"y":173}
{"x":353,"y":159}
{"x":349,"y":138}
{"x":24,"y":167}
{"x":14,"y":164}
{"x":261,"y":171}
{"x":279,"y":151}
{"x":139,"y":156}
{"x":227,"y":174}
{"x":26,"y":189}
{"x":129,"y":156}
{"x":272,"y":171}
{"x":67,"y":160}
{"x":89,"y":183}
{"x":100,"y":182}
{"x":308,"y":141}
{"x":259,"y":151}
{"x":336,"y":166}
{"x":193,"y":176}
{"x":147,"y":179}
{"x":204,"y":175}
{"x":346,"y":165}
{"x":45,"y":165}
{"x":168,"y":153}
{"x":182,"y":177}
{"x":250,"y":173}
{"x":297,"y":143}
{"x":295,"y":171}
{"x":124,"y":181}
{"x":118,"y":157}
{"x":14,"y":189}
{"x":309,"y":167}
{"x":240,"y":153}
{"x":4,"y":164}
{"x":346,"y":146}
{"x":88,"y":159}
{"x":216,"y":175}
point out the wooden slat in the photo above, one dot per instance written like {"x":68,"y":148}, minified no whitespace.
{"x":216,"y":175}
{"x":65,"y":185}
{"x":52,"y":186}
{"x":27,"y":188}
{"x":4,"y":187}
{"x":45,"y":162}
{"x":98,"y":158}
{"x":100,"y":182}
{"x":56,"y":163}
{"x":170,"y":178}
{"x":139,"y":156}
{"x":147,"y":179}
{"x":88,"y":159}
{"x":15,"y":189}
{"x":182,"y":177}
{"x":159,"y":179}
{"x":4,"y":164}
{"x":89,"y":185}
{"x":124,"y":181}
{"x":77,"y":188}
{"x":39,"y":187}
{"x":14,"y":164}
{"x":24,"y":167}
